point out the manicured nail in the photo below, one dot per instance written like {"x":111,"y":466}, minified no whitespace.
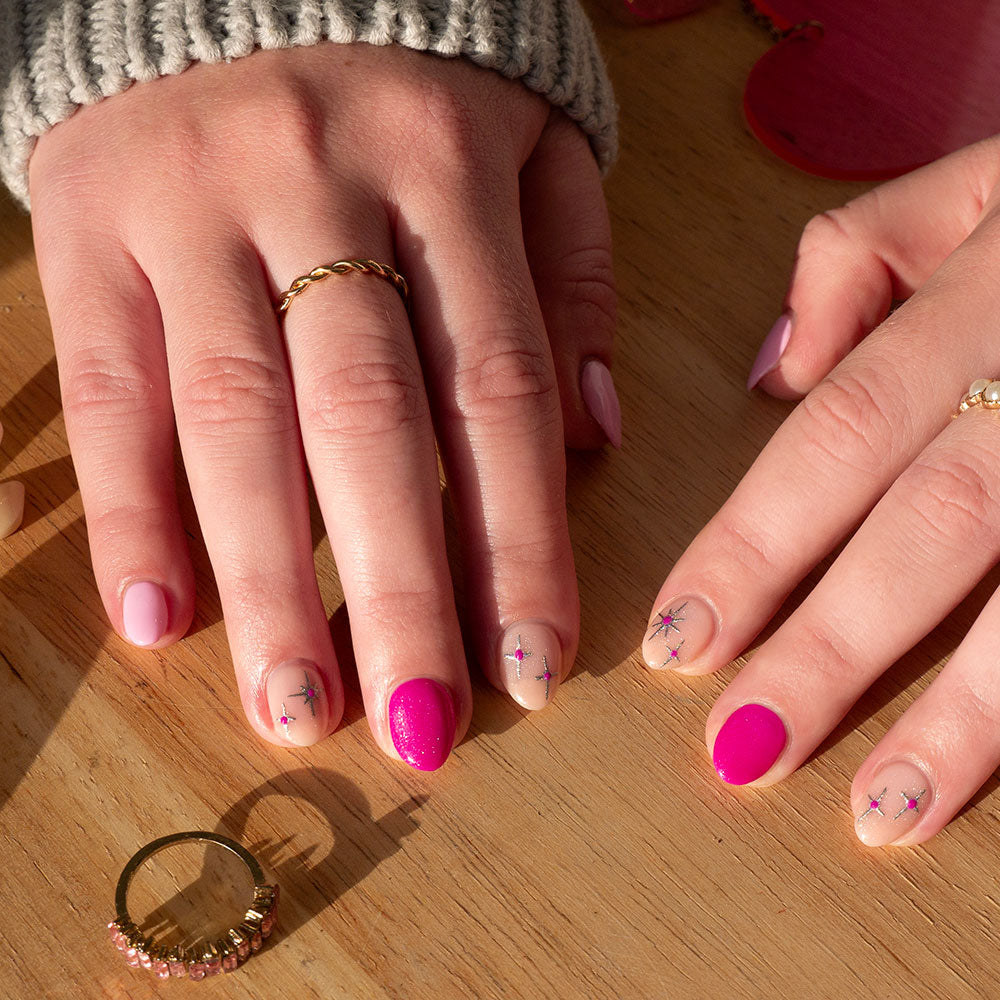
{"x":771,"y":350}
{"x":298,"y":702}
{"x":144,"y":613}
{"x":422,"y":723}
{"x":894,"y":800}
{"x":530,"y":663}
{"x":599,"y":396}
{"x":678,"y":633}
{"x":11,"y":507}
{"x":748,"y":744}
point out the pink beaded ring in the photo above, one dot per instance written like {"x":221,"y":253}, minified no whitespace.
{"x":224,"y":955}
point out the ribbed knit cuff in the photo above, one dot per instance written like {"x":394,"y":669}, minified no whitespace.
{"x":56,"y":55}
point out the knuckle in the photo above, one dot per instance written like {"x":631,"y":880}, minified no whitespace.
{"x":953,"y":500}
{"x":504,"y":376}
{"x":365,"y":398}
{"x":743,"y":546}
{"x":980,"y":712}
{"x":845,"y":421}
{"x":104,"y":389}
{"x":825,"y":233}
{"x":587,"y":284}
{"x":829,"y":657}
{"x":226,"y":392}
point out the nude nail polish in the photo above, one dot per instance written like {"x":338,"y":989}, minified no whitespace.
{"x":678,"y":633}
{"x":598,"y":390}
{"x":422,"y":723}
{"x":144,"y":613}
{"x":530,"y":660}
{"x":893,"y":801}
{"x":771,"y":350}
{"x":748,"y":744}
{"x":298,"y":702}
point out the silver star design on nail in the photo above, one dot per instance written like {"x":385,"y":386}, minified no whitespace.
{"x":518,"y":655}
{"x":674,"y":653}
{"x":284,"y":719}
{"x":668,"y":620}
{"x":874,"y":804}
{"x":310,"y":692}
{"x":545,"y":675}
{"x":910,"y":802}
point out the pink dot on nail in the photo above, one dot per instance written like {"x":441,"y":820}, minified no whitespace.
{"x":518,"y":654}
{"x":911,"y":803}
{"x":667,"y":619}
{"x":283,"y":720}
{"x":873,"y":804}
{"x":312,"y":693}
{"x":673,"y":653}
{"x":547,"y":675}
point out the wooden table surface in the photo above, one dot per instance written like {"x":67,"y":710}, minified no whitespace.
{"x":585,"y":852}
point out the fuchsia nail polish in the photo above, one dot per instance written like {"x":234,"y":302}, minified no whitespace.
{"x":422,"y":723}
{"x":748,"y":744}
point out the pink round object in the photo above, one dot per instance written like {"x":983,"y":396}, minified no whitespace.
{"x":911,"y":804}
{"x":312,"y":693}
{"x":874,"y":804}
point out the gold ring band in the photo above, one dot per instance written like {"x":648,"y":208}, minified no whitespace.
{"x":223,"y":955}
{"x":360,"y":266}
{"x":983,"y":392}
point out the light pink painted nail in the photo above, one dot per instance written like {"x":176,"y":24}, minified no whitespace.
{"x":599,"y":396}
{"x":298,"y":701}
{"x":678,"y":633}
{"x":771,"y":350}
{"x":530,"y":662}
{"x":894,"y":800}
{"x":422,"y":723}
{"x":748,"y":744}
{"x":144,"y":613}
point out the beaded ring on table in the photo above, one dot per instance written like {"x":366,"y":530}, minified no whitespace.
{"x":223,"y":955}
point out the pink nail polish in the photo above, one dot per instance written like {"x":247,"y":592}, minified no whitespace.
{"x":530,"y":662}
{"x":748,"y":744}
{"x":599,"y":396}
{"x":298,"y":701}
{"x":895,"y":800}
{"x":422,"y":723}
{"x":678,"y":633}
{"x":771,"y":350}
{"x":144,"y":613}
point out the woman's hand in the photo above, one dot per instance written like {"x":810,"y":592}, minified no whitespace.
{"x":168,"y":220}
{"x":873,"y":443}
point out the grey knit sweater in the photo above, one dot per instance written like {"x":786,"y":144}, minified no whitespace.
{"x":56,"y":55}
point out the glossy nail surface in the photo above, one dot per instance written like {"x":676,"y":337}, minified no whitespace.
{"x":895,"y":799}
{"x":422,"y":723}
{"x":530,"y":663}
{"x":298,"y":702}
{"x":771,"y":350}
{"x":599,"y":396}
{"x":11,"y":507}
{"x":144,"y":613}
{"x":679,"y":632}
{"x":748,"y":744}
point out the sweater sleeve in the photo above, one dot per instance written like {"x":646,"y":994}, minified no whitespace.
{"x":56,"y":55}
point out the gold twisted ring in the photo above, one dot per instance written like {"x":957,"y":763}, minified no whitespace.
{"x":223,"y":955}
{"x":359,"y":266}
{"x":983,"y":392}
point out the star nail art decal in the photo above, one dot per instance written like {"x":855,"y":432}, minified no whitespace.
{"x":910,"y":802}
{"x":518,"y":655}
{"x":284,"y":719}
{"x":310,"y":692}
{"x":674,"y":653}
{"x":669,"y":619}
{"x":874,"y":804}
{"x":545,"y":675}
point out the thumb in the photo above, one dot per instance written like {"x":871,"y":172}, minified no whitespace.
{"x":853,"y":262}
{"x":567,"y":238}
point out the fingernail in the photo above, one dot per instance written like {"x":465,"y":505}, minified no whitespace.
{"x":748,"y":744}
{"x":530,"y":663}
{"x":894,"y":800}
{"x":422,"y":723}
{"x":771,"y":350}
{"x":298,"y":702}
{"x":144,"y":613}
{"x":11,"y":507}
{"x":599,"y":396}
{"x":678,"y":633}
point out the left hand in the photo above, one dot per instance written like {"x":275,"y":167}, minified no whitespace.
{"x":872,"y":443}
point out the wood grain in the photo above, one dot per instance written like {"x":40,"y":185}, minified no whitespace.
{"x":588,"y":851}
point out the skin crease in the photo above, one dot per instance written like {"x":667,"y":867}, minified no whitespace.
{"x":872,"y":444}
{"x":168,"y":219}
